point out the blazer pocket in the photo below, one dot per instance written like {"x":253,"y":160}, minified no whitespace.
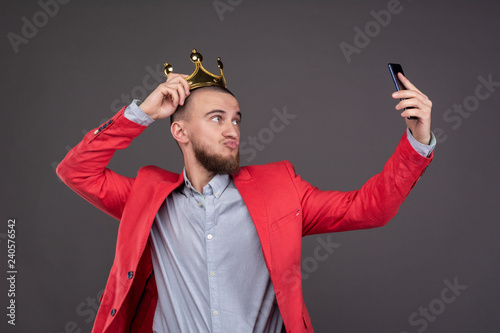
{"x":285,"y":219}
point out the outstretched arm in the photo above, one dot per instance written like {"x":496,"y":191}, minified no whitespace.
{"x":373,"y":205}
{"x":379,"y":198}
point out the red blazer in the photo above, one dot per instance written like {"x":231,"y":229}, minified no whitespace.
{"x":283,"y":207}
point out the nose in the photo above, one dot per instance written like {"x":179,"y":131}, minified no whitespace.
{"x":231,"y":131}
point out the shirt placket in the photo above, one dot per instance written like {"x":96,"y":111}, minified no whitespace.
{"x":210,"y":245}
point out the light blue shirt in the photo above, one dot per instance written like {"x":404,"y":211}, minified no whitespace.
{"x":209,"y":268}
{"x":207,"y":258}
{"x":208,"y":263}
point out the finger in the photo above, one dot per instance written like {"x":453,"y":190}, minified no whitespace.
{"x":405,"y":94}
{"x":185,"y":85}
{"x":409,"y":94}
{"x":181,"y":79}
{"x":417,"y":111}
{"x":417,"y":101}
{"x":174,"y":96}
{"x":166,"y":90}
{"x":408,"y":85}
{"x":169,"y":93}
{"x":173,"y":76}
{"x":421,"y":114}
{"x":183,"y":89}
{"x":406,"y":103}
{"x":181,"y":92}
{"x":410,"y":113}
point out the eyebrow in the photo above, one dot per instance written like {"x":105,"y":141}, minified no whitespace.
{"x":221,"y":111}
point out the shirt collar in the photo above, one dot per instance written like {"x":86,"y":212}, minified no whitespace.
{"x":216,"y":186}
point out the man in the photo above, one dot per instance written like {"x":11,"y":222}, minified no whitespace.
{"x":217,"y":248}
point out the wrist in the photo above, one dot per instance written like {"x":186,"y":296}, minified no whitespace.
{"x":135,"y":113}
{"x":423,"y":139}
{"x":147,"y":111}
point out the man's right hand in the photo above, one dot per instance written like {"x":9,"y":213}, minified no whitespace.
{"x":165,"y":99}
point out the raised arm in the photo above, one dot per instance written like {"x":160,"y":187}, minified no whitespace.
{"x":84,"y":169}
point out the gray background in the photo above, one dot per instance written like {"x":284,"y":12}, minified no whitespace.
{"x":286,"y":54}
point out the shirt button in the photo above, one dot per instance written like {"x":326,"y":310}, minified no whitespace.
{"x":215,"y":312}
{"x":200,"y":204}
{"x":130,"y":275}
{"x":113,"y":312}
{"x":95,"y":132}
{"x":209,"y":236}
{"x":212,"y":273}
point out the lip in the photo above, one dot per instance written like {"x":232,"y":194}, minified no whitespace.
{"x":231,"y":143}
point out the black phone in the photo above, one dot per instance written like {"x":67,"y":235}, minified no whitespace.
{"x":395,"y":69}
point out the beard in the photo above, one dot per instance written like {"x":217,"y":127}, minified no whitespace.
{"x":216,"y":163}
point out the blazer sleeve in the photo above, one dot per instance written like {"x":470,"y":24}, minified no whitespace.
{"x":373,"y":205}
{"x":84,"y":169}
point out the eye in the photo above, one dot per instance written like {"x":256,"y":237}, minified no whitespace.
{"x":217,"y":119}
{"x":236,"y":122}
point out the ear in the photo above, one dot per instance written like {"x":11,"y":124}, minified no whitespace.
{"x":178,"y":131}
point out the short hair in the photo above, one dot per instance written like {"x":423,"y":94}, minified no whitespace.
{"x":181,"y":112}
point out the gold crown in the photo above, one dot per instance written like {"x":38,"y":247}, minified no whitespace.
{"x":200,"y":77}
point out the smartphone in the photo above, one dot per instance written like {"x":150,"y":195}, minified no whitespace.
{"x":395,"y":69}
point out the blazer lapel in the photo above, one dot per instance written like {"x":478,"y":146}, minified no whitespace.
{"x":163,"y":189}
{"x":256,"y":205}
{"x":138,"y":238}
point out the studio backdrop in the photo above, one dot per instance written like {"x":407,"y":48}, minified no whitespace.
{"x":313,"y":85}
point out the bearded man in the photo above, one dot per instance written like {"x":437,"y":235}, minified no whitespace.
{"x":217,"y":248}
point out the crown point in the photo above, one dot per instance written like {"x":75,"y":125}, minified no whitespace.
{"x":168,"y":69}
{"x":201,"y":77}
{"x":196,"y":56}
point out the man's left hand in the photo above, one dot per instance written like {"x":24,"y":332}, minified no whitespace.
{"x":417,"y":105}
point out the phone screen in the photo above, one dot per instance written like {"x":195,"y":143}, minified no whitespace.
{"x":395,"y":69}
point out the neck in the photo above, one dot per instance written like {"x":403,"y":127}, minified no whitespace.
{"x":197,"y":174}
